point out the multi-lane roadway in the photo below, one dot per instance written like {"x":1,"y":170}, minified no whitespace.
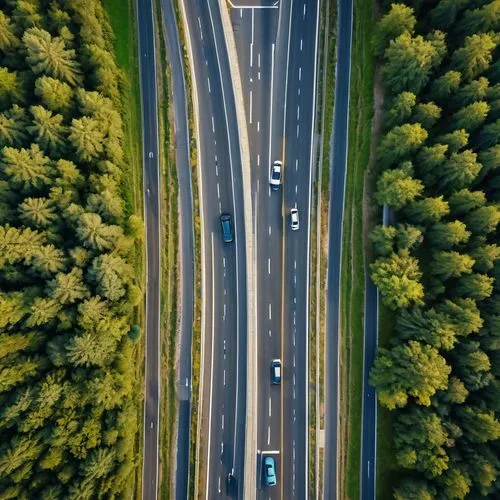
{"x":277,"y":52}
{"x":224,"y":277}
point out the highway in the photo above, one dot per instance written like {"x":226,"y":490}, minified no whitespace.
{"x":224,"y":321}
{"x":151,"y":181}
{"x":277,"y":49}
{"x":338,"y":165}
{"x":186,"y":250}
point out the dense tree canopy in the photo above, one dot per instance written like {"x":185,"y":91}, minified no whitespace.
{"x":68,"y":332}
{"x":437,"y":264}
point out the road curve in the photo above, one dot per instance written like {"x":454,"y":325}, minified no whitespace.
{"x":224,"y":283}
{"x":338,"y":165}
{"x":186,"y":248}
{"x":151,"y":184}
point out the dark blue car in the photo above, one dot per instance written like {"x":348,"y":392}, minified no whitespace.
{"x":227,"y":228}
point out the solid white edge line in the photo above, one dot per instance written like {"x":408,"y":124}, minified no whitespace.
{"x":313,"y":120}
{"x":211,"y":369}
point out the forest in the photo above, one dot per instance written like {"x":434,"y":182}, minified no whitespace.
{"x":437,"y":263}
{"x":68,"y":405}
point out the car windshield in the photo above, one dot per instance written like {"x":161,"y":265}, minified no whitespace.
{"x":276,"y":174}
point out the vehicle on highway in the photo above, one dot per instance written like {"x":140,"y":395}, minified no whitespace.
{"x":275,"y":179}
{"x":276,"y":371}
{"x":231,"y":485}
{"x":227,"y":228}
{"x":294,"y":219}
{"x":269,"y":471}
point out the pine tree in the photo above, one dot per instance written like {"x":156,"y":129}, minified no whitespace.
{"x":410,"y":62}
{"x":446,"y":235}
{"x":8,"y":39}
{"x":400,"y":143}
{"x":49,"y":56}
{"x":397,"y":187}
{"x":48,"y":130}
{"x":408,"y":370}
{"x":397,"y":278}
{"x":54,"y":94}
{"x":13,"y":127}
{"x":475,"y":56}
{"x":398,"y":20}
{"x":470,"y":117}
{"x":446,"y":85}
{"x":87,"y":138}
{"x":11,"y":89}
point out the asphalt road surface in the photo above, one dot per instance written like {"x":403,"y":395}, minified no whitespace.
{"x":369,"y":412}
{"x":224,"y":284}
{"x":152,"y":215}
{"x":182,"y":158}
{"x":338,"y":164}
{"x":277,"y":53}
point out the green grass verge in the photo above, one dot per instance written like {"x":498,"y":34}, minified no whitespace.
{"x":353,"y":271}
{"x":169,"y":270}
{"x":121,"y":15}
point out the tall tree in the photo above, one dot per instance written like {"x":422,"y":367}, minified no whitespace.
{"x":54,"y":94}
{"x":87,"y":138}
{"x":463,"y":201}
{"x":93,"y":233}
{"x":408,"y":370}
{"x":399,"y":19}
{"x":397,"y":187}
{"x":475,"y":56}
{"x":475,"y":91}
{"x":476,"y":286}
{"x":13,"y":127}
{"x":427,"y":114}
{"x":37,"y":212}
{"x":11,"y":88}
{"x":410,"y":62}
{"x":8,"y":39}
{"x":446,"y":85}
{"x":483,"y":220}
{"x":427,"y":210}
{"x":27,"y":169}
{"x":414,"y":489}
{"x":397,"y":278}
{"x":448,"y":234}
{"x":451,"y":264}
{"x":480,"y":425}
{"x":400,"y":143}
{"x":49,"y":56}
{"x":401,"y":109}
{"x":445,"y":13}
{"x":470,"y":117}
{"x":459,"y":171}
{"x":483,"y":19}
{"x":48,"y":130}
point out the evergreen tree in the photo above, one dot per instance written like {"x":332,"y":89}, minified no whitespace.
{"x":446,"y":85}
{"x":398,"y":20}
{"x":397,"y":187}
{"x":410,"y":62}
{"x":54,"y":94}
{"x":475,"y":56}
{"x":408,"y":370}
{"x":448,"y":234}
{"x":470,"y":117}
{"x":400,"y":143}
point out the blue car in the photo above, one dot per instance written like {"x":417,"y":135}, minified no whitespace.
{"x":227,"y":228}
{"x":269,"y":471}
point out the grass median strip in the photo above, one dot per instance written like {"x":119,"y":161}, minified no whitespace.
{"x":122,"y":18}
{"x":353,"y":270}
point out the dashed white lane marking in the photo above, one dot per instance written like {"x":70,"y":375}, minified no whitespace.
{"x":298,"y":112}
{"x":294,"y":393}
{"x":301,"y":44}
{"x":269,"y":265}
{"x":258,"y":126}
{"x":293,"y":378}
{"x":218,"y":191}
{"x":270,"y":412}
{"x":298,"y":91}
{"x":258,"y":75}
{"x":220,"y":207}
{"x":269,"y":230}
{"x":297,"y":130}
{"x":294,"y":360}
{"x":304,"y":14}
{"x":251,"y":106}
{"x":217,"y":170}
{"x":295,"y":264}
{"x":258,"y":160}
{"x":225,"y":291}
{"x":209,"y":88}
{"x":368,"y":469}
{"x":258,"y":59}
{"x":224,"y":311}
{"x":268,"y":434}
{"x":295,"y":279}
{"x":296,"y":188}
{"x":269,"y":191}
{"x":201,"y":32}
{"x":296,"y":165}
{"x":293,"y":340}
{"x":213,"y":124}
{"x":300,"y":74}
{"x":251,"y":55}
{"x":224,"y":378}
{"x":219,"y":485}
{"x":241,"y":12}
{"x":224,"y":261}
{"x":270,"y":315}
{"x":223,"y":421}
{"x":269,"y":332}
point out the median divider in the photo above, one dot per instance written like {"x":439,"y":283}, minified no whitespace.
{"x":249,"y":488}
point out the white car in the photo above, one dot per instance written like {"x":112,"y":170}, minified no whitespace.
{"x":294,"y":219}
{"x":275,"y":179}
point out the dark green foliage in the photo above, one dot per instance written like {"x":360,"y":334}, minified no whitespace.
{"x":68,"y":410}
{"x":438,"y":265}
